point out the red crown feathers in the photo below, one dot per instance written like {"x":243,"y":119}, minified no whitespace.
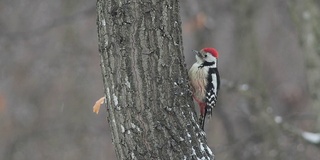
{"x":213,"y":51}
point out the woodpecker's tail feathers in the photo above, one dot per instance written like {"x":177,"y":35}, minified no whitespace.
{"x":201,"y":121}
{"x":207,"y":114}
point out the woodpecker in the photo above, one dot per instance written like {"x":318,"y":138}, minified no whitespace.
{"x":205,"y":81}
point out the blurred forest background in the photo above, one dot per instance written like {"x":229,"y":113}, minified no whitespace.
{"x":269,"y":62}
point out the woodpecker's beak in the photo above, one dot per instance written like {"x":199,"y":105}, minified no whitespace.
{"x":197,"y":53}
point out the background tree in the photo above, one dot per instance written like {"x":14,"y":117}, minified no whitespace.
{"x":146,"y":84}
{"x":264,"y":97}
{"x":306,"y":18}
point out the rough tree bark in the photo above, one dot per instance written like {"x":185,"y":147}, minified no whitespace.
{"x":150,"y":109}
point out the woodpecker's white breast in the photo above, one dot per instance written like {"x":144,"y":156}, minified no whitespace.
{"x":198,"y":78}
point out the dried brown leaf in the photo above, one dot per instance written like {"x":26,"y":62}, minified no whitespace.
{"x":97,"y":105}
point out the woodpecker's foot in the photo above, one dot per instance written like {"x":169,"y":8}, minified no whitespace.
{"x":97,"y":105}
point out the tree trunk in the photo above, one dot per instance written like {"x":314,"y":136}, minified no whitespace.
{"x":150,"y":109}
{"x":306,"y":16}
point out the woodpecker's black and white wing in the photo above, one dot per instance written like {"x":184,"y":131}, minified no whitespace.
{"x":212,"y":90}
